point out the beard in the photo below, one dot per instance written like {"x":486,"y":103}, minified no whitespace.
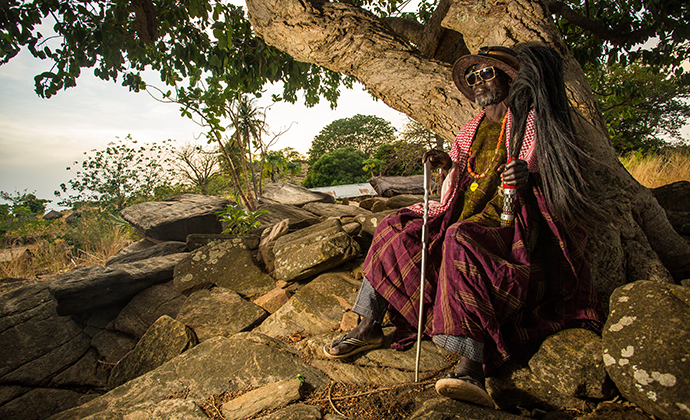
{"x":491,"y":96}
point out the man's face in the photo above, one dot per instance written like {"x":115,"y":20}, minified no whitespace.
{"x":490,"y":92}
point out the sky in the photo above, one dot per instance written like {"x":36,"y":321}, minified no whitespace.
{"x":40,"y":138}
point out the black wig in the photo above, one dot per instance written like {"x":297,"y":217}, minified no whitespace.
{"x":540,"y":85}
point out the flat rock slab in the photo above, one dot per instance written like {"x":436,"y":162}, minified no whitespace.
{"x":219,"y":312}
{"x":158,"y":250}
{"x":334,"y":210}
{"x":649,"y":359}
{"x":267,"y":397}
{"x":297,"y":217}
{"x":91,"y":288}
{"x":164,"y":340}
{"x":313,"y":250}
{"x":113,"y":345}
{"x":197,"y":240}
{"x":296,"y":195}
{"x":177,"y":217}
{"x":147,"y":306}
{"x":40,"y":403}
{"x":227,"y":264}
{"x":212,"y":367}
{"x":298,"y":412}
{"x":447,"y":409}
{"x":314,"y":309}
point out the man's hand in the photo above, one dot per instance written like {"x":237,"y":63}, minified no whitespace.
{"x":515,"y":173}
{"x":438,"y":159}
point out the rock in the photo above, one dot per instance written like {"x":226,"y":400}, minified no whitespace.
{"x":369,"y":223}
{"x":197,"y":240}
{"x":297,"y":217}
{"x":268,"y":241}
{"x":447,"y":409}
{"x":160,"y":250}
{"x":164,"y":340}
{"x":314,"y":309}
{"x":91,"y":288}
{"x":295,"y":412}
{"x":137,"y":246}
{"x":224,"y":264}
{"x":36,"y":344}
{"x":147,"y":306}
{"x":293,"y":194}
{"x":210,"y":368}
{"x":647,"y":347}
{"x":674,"y":196}
{"x":167,"y":409}
{"x":73,"y":217}
{"x":20,"y":254}
{"x":267,"y":397}
{"x":40,"y":403}
{"x":273,"y":300}
{"x":404,"y":200}
{"x":87,"y":372}
{"x":113,"y":345}
{"x":52,"y":215}
{"x":313,"y":250}
{"x":570,"y":361}
{"x":176,"y":217}
{"x":219,"y":312}
{"x":334,"y":210}
{"x":349,"y":321}
{"x":388,"y":186}
{"x":352,"y":229}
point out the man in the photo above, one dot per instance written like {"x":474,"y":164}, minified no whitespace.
{"x":493,"y":292}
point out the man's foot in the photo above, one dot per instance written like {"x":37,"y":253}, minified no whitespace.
{"x":466,"y":384}
{"x":366,"y":336}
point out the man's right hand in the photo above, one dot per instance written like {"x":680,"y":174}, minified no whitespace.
{"x":438,"y":159}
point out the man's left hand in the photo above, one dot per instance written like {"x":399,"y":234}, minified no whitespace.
{"x":515,"y":173}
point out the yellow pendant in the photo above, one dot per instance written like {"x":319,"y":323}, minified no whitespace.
{"x":474,"y":186}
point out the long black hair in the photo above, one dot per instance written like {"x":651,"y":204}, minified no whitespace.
{"x":540,"y":85}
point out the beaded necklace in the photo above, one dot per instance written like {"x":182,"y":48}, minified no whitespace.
{"x":476,"y":176}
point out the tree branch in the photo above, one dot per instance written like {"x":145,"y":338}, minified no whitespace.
{"x":614,"y":35}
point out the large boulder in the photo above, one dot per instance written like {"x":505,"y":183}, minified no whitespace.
{"x":219,"y":312}
{"x":147,"y":306}
{"x":314,"y":309}
{"x":90,"y":288}
{"x":388,"y":186}
{"x":36,"y":344}
{"x":176,"y":217}
{"x":277,"y":394}
{"x":227,"y":264}
{"x":313,"y":250}
{"x":164,"y":340}
{"x":647,"y":347}
{"x":210,"y":368}
{"x":296,"y":195}
{"x":371,"y":222}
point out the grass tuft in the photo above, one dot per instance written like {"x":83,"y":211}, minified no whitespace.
{"x":654,"y":171}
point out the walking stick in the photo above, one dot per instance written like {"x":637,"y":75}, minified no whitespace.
{"x":425,"y":237}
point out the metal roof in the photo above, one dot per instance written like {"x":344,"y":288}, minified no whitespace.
{"x":349,"y":191}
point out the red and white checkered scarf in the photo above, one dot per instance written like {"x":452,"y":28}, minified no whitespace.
{"x":459,"y":153}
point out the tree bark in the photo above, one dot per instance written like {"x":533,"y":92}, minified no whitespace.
{"x":347,"y":39}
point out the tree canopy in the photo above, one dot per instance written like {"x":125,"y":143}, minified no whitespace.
{"x":361,"y":132}
{"x":342,"y":166}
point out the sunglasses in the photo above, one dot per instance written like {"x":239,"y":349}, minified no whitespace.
{"x":485,"y":74}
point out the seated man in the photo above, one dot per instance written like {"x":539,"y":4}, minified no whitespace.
{"x":493,"y":292}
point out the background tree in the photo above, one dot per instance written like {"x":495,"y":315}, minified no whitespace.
{"x":284,"y":162}
{"x":361,"y":132}
{"x":23,"y":203}
{"x":339,"y":167}
{"x":199,"y":167}
{"x":119,"y":175}
{"x":644,"y":106}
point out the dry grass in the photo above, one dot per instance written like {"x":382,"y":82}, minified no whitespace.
{"x":656,"y":170}
{"x":61,"y":248}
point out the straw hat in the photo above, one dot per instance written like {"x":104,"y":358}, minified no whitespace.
{"x":500,"y":57}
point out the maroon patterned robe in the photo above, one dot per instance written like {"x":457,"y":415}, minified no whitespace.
{"x":508,"y":287}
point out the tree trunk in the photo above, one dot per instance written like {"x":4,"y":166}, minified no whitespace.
{"x":347,"y":39}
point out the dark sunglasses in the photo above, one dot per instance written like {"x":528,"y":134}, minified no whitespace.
{"x":485,"y":74}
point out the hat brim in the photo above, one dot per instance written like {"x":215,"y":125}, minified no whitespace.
{"x":464,"y":62}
